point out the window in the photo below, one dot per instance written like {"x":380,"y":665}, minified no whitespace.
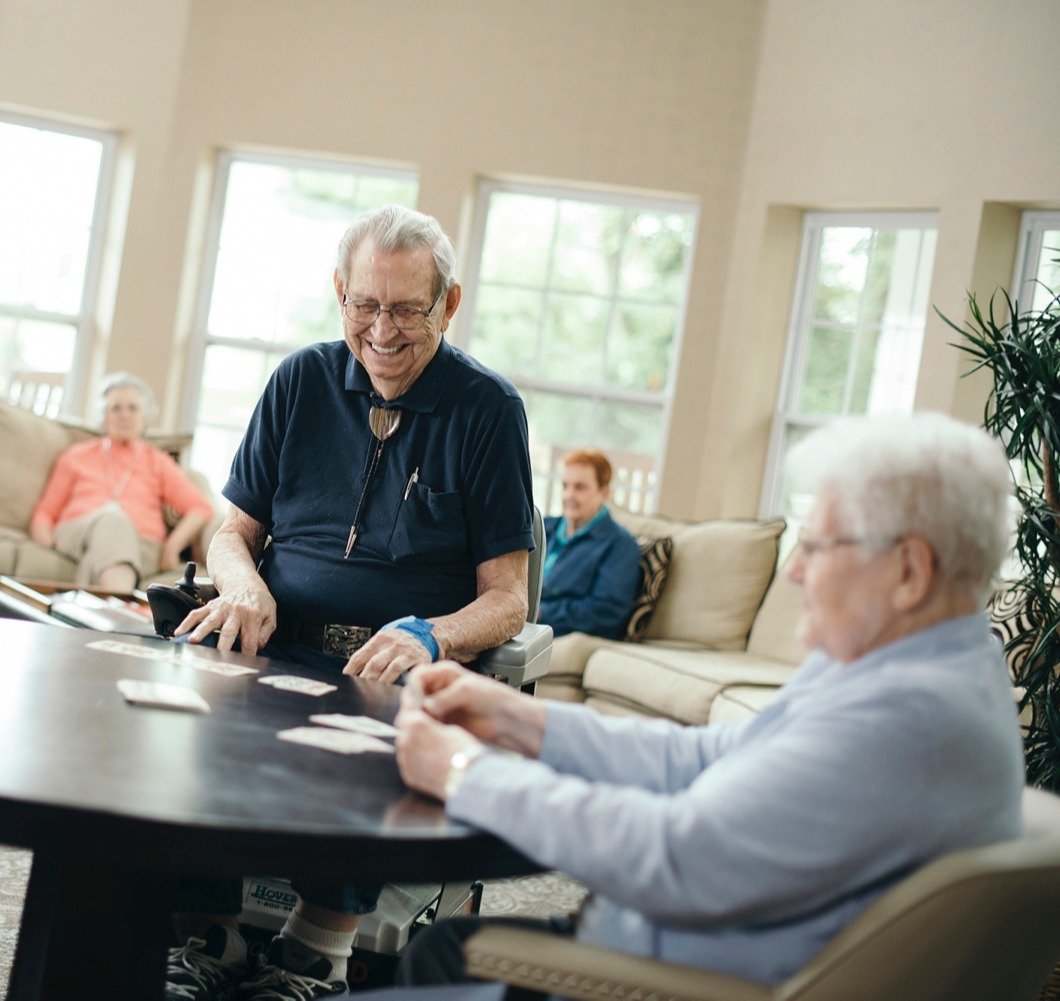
{"x":54,"y":185}
{"x":579,"y":299}
{"x":856,"y":330}
{"x":275,"y":227}
{"x":1038,"y":260}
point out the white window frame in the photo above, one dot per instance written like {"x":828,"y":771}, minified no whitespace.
{"x":84,"y":319}
{"x":201,"y":338}
{"x":798,"y":337}
{"x":600,"y":393}
{"x":1033,"y":227}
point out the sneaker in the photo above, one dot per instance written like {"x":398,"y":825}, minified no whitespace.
{"x":197,"y":971}
{"x":272,"y":981}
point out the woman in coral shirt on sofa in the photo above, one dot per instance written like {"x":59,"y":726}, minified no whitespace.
{"x":102,"y":506}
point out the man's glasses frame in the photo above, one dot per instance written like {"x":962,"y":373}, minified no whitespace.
{"x":403,"y":316}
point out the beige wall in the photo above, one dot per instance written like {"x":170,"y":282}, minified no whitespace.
{"x":754,"y":108}
{"x":912,"y":104}
{"x":113,"y":64}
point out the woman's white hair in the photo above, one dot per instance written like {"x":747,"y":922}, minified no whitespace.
{"x":125,"y":380}
{"x":924,"y":474}
{"x":395,"y":229}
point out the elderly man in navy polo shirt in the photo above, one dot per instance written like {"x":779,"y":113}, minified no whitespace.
{"x":390,"y":473}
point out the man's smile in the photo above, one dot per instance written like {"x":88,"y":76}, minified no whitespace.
{"x":385,"y":351}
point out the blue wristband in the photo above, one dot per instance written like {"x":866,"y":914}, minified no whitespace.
{"x":421,"y":629}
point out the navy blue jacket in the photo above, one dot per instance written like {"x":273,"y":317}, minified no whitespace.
{"x":594,"y":581}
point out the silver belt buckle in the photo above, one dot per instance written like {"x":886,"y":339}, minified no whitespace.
{"x":345,"y":641}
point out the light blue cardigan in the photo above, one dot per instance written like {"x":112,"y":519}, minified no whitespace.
{"x":745,"y":847}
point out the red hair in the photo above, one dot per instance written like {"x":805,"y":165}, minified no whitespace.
{"x":593,"y":458}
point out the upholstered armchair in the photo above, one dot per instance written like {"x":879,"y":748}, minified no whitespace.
{"x":979,"y":923}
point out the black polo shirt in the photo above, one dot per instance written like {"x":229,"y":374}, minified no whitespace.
{"x":303,"y":462}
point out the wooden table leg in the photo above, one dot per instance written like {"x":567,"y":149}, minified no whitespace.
{"x":91,"y":931}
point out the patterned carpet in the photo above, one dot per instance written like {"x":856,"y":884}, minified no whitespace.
{"x":531,"y":896}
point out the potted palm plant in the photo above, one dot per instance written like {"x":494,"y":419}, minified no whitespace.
{"x":1021,"y":350}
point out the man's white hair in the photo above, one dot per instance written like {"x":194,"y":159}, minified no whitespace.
{"x":126,"y":380}
{"x":924,"y":474}
{"x":395,"y":229}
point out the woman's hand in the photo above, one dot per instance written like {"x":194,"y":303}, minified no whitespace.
{"x":170,"y":558}
{"x":489,"y":710}
{"x":42,"y":534}
{"x":424,"y":748}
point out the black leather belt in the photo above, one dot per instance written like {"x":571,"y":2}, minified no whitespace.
{"x":338,"y":640}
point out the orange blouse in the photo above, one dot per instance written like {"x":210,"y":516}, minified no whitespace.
{"x":140,"y":477}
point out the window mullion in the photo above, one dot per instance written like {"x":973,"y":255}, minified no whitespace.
{"x":546,"y":291}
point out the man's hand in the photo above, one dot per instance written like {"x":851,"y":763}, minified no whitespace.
{"x":424,"y":748}
{"x":247,"y":612}
{"x":489,"y":710}
{"x":387,"y":656}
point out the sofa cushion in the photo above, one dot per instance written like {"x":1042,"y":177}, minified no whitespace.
{"x":680,"y":684}
{"x":566,"y":666}
{"x":36,"y":562}
{"x":775,"y":630}
{"x":31,"y":445}
{"x":717,"y":578}
{"x":10,"y":540}
{"x":655,"y":556}
{"x":740,"y":701}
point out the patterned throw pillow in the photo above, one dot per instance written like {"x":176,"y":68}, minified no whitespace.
{"x":655,"y":553}
{"x":1011,"y":624}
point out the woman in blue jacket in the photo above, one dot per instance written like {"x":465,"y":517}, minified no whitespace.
{"x":592,"y":564}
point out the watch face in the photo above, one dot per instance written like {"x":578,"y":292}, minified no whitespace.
{"x":458,"y":764}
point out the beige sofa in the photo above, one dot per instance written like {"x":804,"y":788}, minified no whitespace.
{"x":29,"y":444}
{"x":719,"y":643}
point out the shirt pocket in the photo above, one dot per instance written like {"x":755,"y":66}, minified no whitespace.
{"x":429,"y":527}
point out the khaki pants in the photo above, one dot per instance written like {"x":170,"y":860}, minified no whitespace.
{"x":105,"y":538}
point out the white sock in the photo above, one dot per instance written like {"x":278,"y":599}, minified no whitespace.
{"x":334,"y":945}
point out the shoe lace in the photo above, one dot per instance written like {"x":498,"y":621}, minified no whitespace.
{"x":198,"y":970}
{"x":269,"y":979}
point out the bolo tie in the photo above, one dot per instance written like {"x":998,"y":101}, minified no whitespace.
{"x":383,"y":422}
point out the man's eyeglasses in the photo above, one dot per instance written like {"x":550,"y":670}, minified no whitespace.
{"x":811,"y":545}
{"x":403,"y":316}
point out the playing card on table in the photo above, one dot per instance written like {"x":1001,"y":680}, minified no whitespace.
{"x":219,"y":667}
{"x":293,"y":683}
{"x":135,"y":650}
{"x":339,"y":741}
{"x":162,"y":696}
{"x":356,"y":724}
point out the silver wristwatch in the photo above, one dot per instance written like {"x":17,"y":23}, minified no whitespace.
{"x":458,"y":765}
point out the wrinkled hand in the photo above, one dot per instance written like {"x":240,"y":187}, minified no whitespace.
{"x":387,"y":656}
{"x":247,"y":612}
{"x":489,"y":710}
{"x":424,"y":747}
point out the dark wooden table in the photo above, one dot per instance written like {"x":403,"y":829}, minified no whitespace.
{"x":118,"y":802}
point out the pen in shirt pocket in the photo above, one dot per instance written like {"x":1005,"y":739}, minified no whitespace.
{"x":414,"y":478}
